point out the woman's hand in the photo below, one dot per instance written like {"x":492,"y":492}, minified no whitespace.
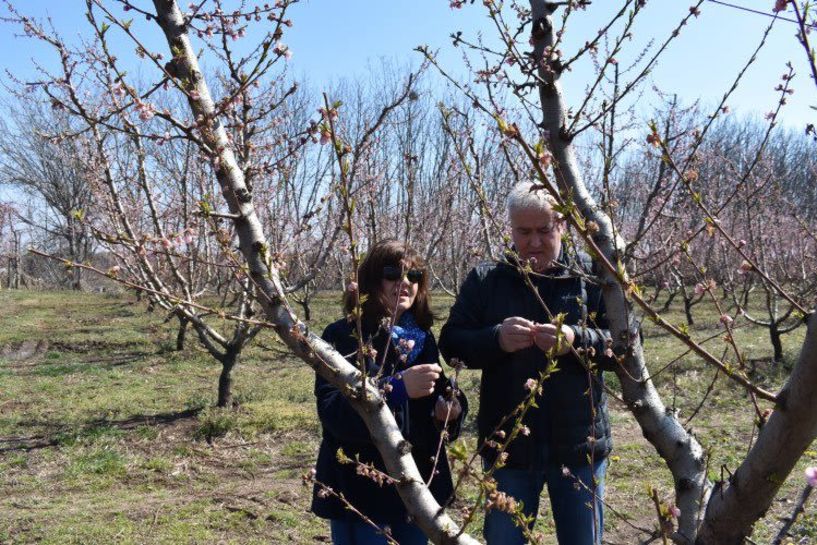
{"x":420,"y":379}
{"x":450,"y":409}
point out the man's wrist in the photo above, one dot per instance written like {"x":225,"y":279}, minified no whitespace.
{"x":497,"y":338}
{"x":577,"y":335}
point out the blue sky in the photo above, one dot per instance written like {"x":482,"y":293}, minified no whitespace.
{"x":333,"y":39}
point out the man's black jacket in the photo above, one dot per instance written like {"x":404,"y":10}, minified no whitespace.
{"x":343,"y":428}
{"x":571,"y":420}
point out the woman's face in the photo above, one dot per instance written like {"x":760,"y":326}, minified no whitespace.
{"x":400,"y":293}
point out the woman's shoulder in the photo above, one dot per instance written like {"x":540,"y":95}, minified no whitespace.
{"x":337,"y":330}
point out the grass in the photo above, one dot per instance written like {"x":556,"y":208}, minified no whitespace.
{"x":109,"y":436}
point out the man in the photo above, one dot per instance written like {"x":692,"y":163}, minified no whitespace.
{"x":498,"y":325}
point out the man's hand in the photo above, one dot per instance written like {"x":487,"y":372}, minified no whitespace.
{"x":516,"y":333}
{"x":419,"y":379}
{"x":441,"y":408}
{"x":545,"y":338}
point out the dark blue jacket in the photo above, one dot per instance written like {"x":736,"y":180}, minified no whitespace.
{"x":571,"y":419}
{"x":343,"y":428}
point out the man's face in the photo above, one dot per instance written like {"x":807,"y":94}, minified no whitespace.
{"x":537,"y":236}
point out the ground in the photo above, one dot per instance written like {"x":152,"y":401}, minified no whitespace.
{"x":108,"y":435}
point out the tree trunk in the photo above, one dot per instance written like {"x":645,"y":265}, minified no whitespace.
{"x":777,"y":344}
{"x":736,"y":504}
{"x":76,"y":280}
{"x":679,"y":449}
{"x":688,"y":311}
{"x":370,"y":405}
{"x":304,"y":304}
{"x":182,"y":333}
{"x":669,"y":301}
{"x":225,"y":379}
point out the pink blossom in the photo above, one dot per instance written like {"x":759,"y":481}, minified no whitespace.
{"x":530,"y":384}
{"x":780,"y":5}
{"x":726,"y":320}
{"x":146,"y":110}
{"x":326,"y":136}
{"x":351,"y":287}
{"x":675,"y":511}
{"x":329,"y":115}
{"x":283,"y":49}
{"x":456,"y":4}
{"x":525,"y":431}
{"x":701,"y":287}
{"x":811,"y":476}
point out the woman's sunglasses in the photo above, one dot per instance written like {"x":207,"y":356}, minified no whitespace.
{"x":415,"y":276}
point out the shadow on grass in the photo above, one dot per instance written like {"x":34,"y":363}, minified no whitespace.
{"x":60,"y":434}
{"x":55,"y":368}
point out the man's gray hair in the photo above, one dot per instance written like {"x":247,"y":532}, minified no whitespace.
{"x":522,"y":198}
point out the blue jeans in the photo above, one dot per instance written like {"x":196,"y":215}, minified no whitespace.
{"x":571,"y":504}
{"x":359,"y":533}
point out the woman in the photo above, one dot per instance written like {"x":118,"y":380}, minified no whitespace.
{"x":396,"y":321}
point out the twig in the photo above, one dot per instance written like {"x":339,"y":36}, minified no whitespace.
{"x":789,"y":521}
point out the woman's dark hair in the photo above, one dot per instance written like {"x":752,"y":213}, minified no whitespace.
{"x":388,"y":253}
